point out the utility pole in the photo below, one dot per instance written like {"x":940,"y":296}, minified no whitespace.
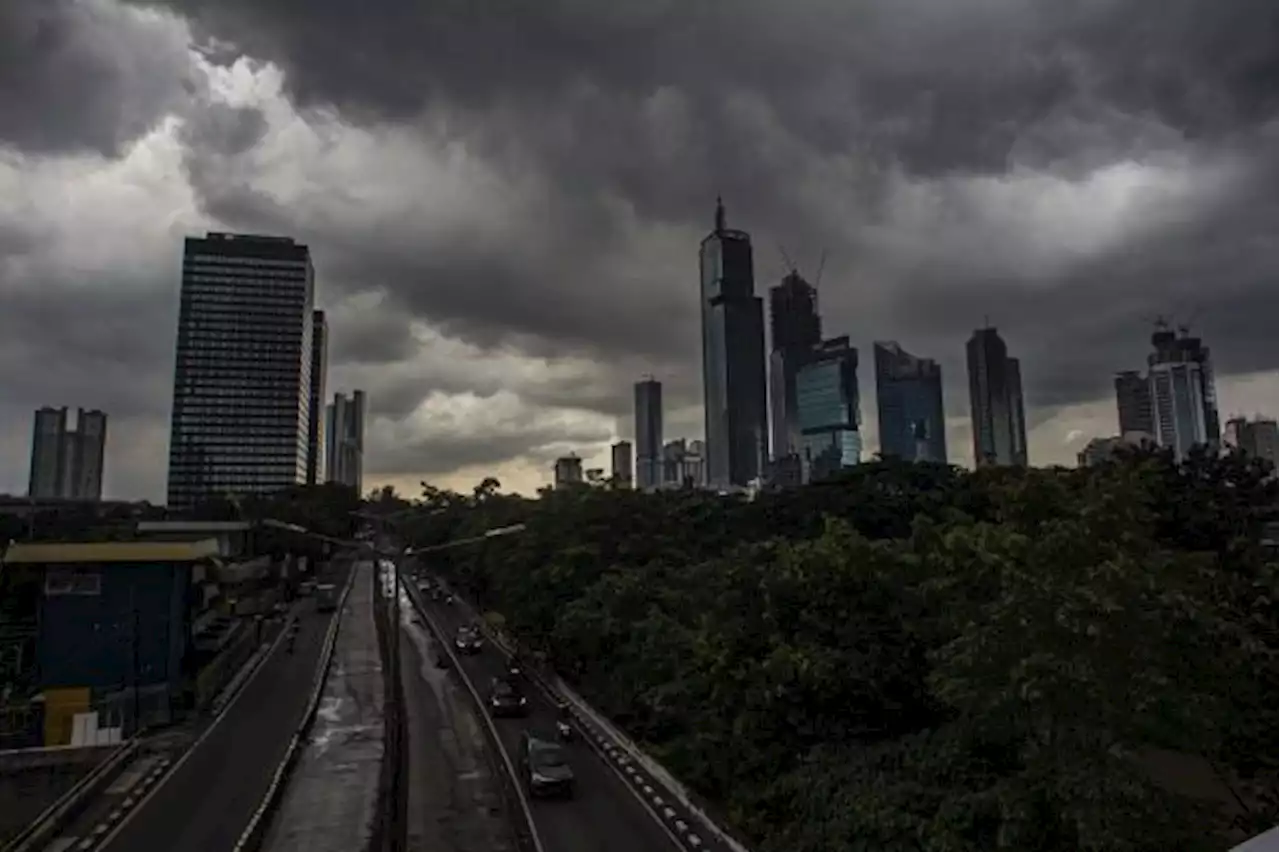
{"x":137,"y":697}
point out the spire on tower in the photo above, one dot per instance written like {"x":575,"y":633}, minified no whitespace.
{"x":719,"y":213}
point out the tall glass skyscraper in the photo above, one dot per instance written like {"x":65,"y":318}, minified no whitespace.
{"x":733,"y":368}
{"x":648,"y":434}
{"x":909,"y":403}
{"x":1184,"y":402}
{"x":316,"y":447}
{"x":827,"y":408}
{"x":795,"y":329}
{"x":242,"y":381}
{"x":995,"y":401}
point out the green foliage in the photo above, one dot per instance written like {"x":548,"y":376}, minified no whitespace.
{"x":914,"y":657}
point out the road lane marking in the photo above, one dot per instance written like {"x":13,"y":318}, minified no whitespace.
{"x":213,"y":726}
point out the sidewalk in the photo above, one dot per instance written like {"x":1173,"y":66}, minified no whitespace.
{"x":332,"y":792}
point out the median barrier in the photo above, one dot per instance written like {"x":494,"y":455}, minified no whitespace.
{"x":255,"y":832}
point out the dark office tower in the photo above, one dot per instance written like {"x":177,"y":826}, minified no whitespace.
{"x":67,"y":463}
{"x":733,"y":369}
{"x":621,"y":464}
{"x":795,"y":329}
{"x":344,"y":440}
{"x":242,"y":382}
{"x":909,"y":404}
{"x":1184,"y":402}
{"x":316,"y":416}
{"x":1133,"y":403}
{"x":827,"y":410}
{"x":995,"y":400}
{"x":648,"y":434}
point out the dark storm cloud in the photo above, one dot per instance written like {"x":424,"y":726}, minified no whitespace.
{"x":97,"y":347}
{"x":792,"y":111}
{"x":86,"y":76}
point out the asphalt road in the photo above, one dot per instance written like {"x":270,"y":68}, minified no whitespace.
{"x":455,"y":802}
{"x":604,"y":815}
{"x":208,"y":798}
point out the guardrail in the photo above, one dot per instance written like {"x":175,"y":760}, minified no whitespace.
{"x":513,"y":790}
{"x":255,"y":832}
{"x":617,"y":748}
{"x":42,"y":830}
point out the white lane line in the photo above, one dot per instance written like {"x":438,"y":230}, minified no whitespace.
{"x":213,"y":726}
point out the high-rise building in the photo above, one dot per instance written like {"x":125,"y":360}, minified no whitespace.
{"x":1184,"y":403}
{"x":344,"y":447}
{"x":568,"y":471}
{"x":1255,"y":438}
{"x":1133,"y":403}
{"x":242,"y":382}
{"x":733,"y":362}
{"x":648,"y":434}
{"x":620,"y":463}
{"x":795,"y":329}
{"x":67,"y":463}
{"x":827,"y":407}
{"x":995,"y":401}
{"x":912,"y":419}
{"x":316,"y":447}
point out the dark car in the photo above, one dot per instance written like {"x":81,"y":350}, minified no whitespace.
{"x":505,"y":699}
{"x":468,"y":640}
{"x":544,"y":767}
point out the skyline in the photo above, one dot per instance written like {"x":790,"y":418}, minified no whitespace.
{"x":498,"y":257}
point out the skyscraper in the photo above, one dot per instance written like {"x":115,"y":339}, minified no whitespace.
{"x":242,"y":381}
{"x":733,"y":368}
{"x":995,"y":401}
{"x":912,"y":419}
{"x":827,"y":408}
{"x":1133,"y":403}
{"x":620,"y":459}
{"x":344,"y":440}
{"x":316,"y":447}
{"x":1184,"y":403}
{"x":1255,"y":438}
{"x":568,"y":471}
{"x":67,"y":463}
{"x":648,"y":434}
{"x":795,"y":328}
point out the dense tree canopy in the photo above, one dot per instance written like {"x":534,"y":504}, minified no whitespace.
{"x":912,"y":656}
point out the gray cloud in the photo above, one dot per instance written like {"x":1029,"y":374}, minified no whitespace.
{"x":445,"y":452}
{"x":92,"y":75}
{"x":900,"y":136}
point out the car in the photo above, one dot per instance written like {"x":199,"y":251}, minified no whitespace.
{"x":425,"y":584}
{"x":544,"y":767}
{"x":468,"y":640}
{"x":505,"y":699}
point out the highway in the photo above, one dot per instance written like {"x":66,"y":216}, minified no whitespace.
{"x":206,"y":800}
{"x":604,"y":815}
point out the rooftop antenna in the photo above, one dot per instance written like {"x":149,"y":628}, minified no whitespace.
{"x":719,"y":214}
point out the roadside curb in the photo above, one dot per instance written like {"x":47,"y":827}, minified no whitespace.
{"x":130,"y":802}
{"x":43,"y":829}
{"x":255,"y":832}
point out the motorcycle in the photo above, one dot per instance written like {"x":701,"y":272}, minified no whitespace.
{"x":564,"y":728}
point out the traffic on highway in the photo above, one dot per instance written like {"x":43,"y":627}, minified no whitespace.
{"x":579,"y":802}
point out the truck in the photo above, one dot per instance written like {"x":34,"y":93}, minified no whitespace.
{"x":326,"y":597}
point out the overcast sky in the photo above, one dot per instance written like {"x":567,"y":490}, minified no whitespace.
{"x":504,"y":208}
